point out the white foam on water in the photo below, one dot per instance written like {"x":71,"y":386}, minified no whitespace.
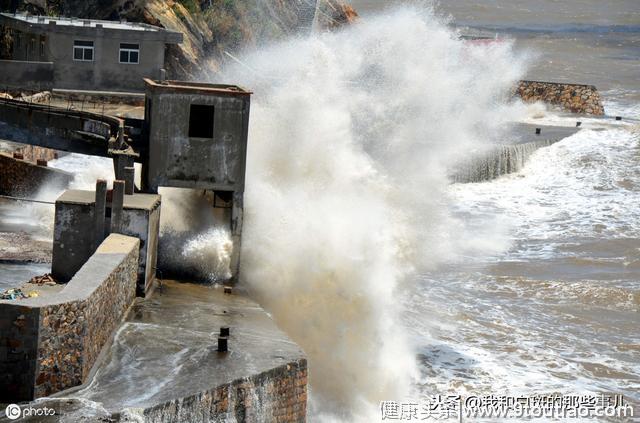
{"x":86,"y":169}
{"x":556,"y":312}
{"x":194,"y":240}
{"x":584,"y":185}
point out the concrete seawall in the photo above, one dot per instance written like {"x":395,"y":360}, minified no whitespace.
{"x":575,"y":98}
{"x":22,"y":178}
{"x":50,"y":343}
{"x":165,"y":365}
{"x":510,"y":155}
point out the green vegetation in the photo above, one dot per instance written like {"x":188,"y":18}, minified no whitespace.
{"x":227,"y":20}
{"x":193,"y":6}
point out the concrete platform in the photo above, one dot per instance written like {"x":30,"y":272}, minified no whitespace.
{"x":164,"y":364}
{"x":522,"y":133}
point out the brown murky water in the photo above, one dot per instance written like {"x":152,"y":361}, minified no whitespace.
{"x":559,"y":311}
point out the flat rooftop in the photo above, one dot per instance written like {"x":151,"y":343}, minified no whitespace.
{"x":197,"y":87}
{"x":135,"y":201}
{"x":521,"y":133}
{"x":86,"y":23}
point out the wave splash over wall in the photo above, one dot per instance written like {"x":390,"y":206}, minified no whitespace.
{"x":501,"y":160}
{"x":352,"y":135}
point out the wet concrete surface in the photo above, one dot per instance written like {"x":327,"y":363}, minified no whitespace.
{"x":521,"y":133}
{"x":21,"y":247}
{"x":14,"y":275}
{"x":167,"y":348}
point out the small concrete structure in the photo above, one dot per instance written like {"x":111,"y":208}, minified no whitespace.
{"x":82,"y":54}
{"x":193,"y":136}
{"x":75,"y":221}
{"x":197,"y":138}
{"x":51,"y":342}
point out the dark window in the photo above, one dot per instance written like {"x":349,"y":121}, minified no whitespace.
{"x":201,"y":121}
{"x":83,"y":51}
{"x":129,"y":53}
{"x":42,"y":45}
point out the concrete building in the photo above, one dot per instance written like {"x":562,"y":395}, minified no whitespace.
{"x":74,"y":238}
{"x":197,"y":138}
{"x":82,"y":54}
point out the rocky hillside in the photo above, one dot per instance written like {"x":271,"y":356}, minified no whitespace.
{"x":210,"y":27}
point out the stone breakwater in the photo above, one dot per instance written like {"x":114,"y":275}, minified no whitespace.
{"x":575,"y":98}
{"x":50,"y":343}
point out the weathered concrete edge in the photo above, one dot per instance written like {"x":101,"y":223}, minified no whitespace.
{"x":234,"y":399}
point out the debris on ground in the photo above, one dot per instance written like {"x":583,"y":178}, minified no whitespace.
{"x":45,"y":279}
{"x":13,"y":294}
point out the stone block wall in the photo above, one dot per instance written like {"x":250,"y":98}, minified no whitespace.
{"x":573,"y":98}
{"x":23,"y":178}
{"x":18,"y":351}
{"x":54,"y":340}
{"x":278,"y":395}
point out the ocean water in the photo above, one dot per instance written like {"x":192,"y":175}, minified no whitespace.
{"x":399,"y":284}
{"x":558,"y":310}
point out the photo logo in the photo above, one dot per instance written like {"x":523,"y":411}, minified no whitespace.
{"x":13,"y":411}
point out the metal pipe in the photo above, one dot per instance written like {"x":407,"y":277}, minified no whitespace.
{"x":223,"y":345}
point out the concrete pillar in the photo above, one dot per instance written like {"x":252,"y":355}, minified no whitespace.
{"x":100,"y":211}
{"x":237,"y":215}
{"x":117,"y":203}
{"x":129,"y":175}
{"x":120,"y":162}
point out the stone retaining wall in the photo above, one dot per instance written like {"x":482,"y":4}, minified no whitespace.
{"x":50,"y":343}
{"x":574,"y":98}
{"x":279,"y":395}
{"x":23,"y":178}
